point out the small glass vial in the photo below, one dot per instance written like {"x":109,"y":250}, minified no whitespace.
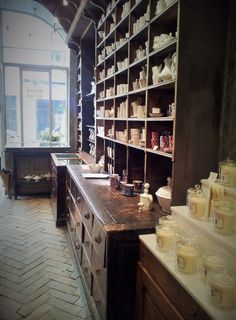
{"x":222,"y":289}
{"x":187,"y":255}
{"x":197,"y":202}
{"x":224,"y":220}
{"x":212,"y":262}
{"x":165,"y":237}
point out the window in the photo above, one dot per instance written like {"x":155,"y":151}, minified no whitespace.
{"x":36,"y":82}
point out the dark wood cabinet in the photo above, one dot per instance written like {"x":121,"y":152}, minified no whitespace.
{"x":159,"y":295}
{"x":106,"y":245}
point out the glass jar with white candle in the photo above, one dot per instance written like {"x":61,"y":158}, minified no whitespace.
{"x":187,"y":255}
{"x":222,"y":289}
{"x":224,"y":219}
{"x":168,"y":221}
{"x":212,"y":261}
{"x":165,"y":237}
{"x":197,"y":203}
{"x":228,"y":173}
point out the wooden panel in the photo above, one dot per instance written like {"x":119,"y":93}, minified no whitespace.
{"x":87,"y":245}
{"x":99,"y":240}
{"x":78,"y":246}
{"x":152,"y":303}
{"x":86,"y":268}
{"x":87,"y":217}
{"x":186,"y":305}
{"x":99,"y":302}
{"x":99,"y":274}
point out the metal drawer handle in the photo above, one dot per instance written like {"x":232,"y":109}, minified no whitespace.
{"x":98,"y":272}
{"x":85,"y":270}
{"x":79,"y":199}
{"x":78,"y":224}
{"x":77,"y":246}
{"x":87,"y":243}
{"x":68,"y":215}
{"x":98,"y":238}
{"x":68,"y":198}
{"x":87,"y":215}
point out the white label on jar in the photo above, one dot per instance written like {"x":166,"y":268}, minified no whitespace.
{"x":181,"y":262}
{"x":225,"y":178}
{"x":216,"y":294}
{"x":219,"y":222}
{"x":160,"y":242}
{"x":193,"y":208}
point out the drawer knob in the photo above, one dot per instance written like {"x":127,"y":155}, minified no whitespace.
{"x":87,"y":243}
{"x":68,"y":215}
{"x":87,"y":215}
{"x":79,"y":199}
{"x":98,"y":239}
{"x":98,"y":272}
{"x":77,"y":246}
{"x":68,"y":198}
{"x":78,"y":224}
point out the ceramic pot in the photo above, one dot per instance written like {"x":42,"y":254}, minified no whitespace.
{"x":166,"y":73}
{"x":156,"y":70}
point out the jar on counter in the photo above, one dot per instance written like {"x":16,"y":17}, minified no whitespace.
{"x":228,"y":173}
{"x":187,"y":255}
{"x":212,"y":262}
{"x":224,"y":220}
{"x":165,"y":237}
{"x":197,"y":203}
{"x":222,"y":289}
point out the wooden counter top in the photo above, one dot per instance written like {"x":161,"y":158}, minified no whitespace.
{"x":115,"y":211}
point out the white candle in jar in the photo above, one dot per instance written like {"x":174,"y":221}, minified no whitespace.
{"x":212,"y":262}
{"x":222,"y":290}
{"x":224,"y":220}
{"x":165,"y":238}
{"x":198,"y":206}
{"x":228,"y":174}
{"x":187,"y":259}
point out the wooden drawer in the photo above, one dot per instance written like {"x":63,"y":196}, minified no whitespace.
{"x":71,"y":226}
{"x":86,"y":268}
{"x":78,"y":224}
{"x":99,"y":274}
{"x":78,"y":246}
{"x":79,"y":201}
{"x":99,"y":240}
{"x":87,"y":245}
{"x":87,"y":217}
{"x":183,"y":302}
{"x":98,"y":301}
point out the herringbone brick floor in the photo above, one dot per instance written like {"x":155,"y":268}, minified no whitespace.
{"x":38,"y":277}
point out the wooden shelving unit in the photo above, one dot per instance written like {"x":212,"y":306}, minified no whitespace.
{"x":125,"y":50}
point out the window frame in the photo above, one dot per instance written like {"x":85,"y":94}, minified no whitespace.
{"x":49,"y":70}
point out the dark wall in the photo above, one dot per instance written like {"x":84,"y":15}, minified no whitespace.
{"x":227,"y":146}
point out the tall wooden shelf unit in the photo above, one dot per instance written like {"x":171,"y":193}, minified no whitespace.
{"x":85,"y":98}
{"x":196,"y":90}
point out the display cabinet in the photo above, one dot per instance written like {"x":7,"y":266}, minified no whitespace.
{"x":79,"y":103}
{"x":104,"y":226}
{"x":158,"y":90}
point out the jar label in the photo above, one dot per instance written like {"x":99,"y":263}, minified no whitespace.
{"x":193,"y":208}
{"x":181,"y":262}
{"x":216,"y":294}
{"x":160,"y":242}
{"x":219,"y":221}
{"x":225,"y":177}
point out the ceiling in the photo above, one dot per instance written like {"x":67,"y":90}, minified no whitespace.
{"x":75,"y":16}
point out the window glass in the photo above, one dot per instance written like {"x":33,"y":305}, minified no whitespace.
{"x":12,"y":104}
{"x":36,"y":80}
